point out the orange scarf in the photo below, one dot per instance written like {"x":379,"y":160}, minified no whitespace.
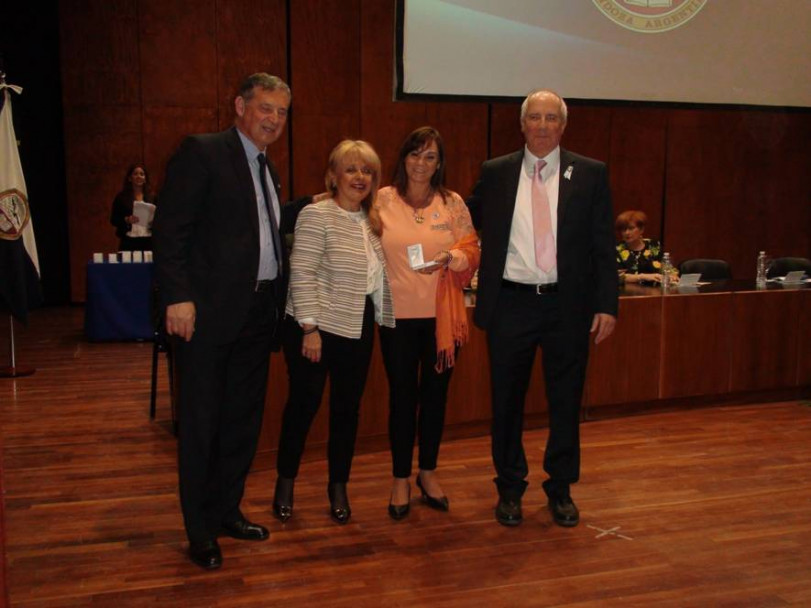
{"x":451,"y":316}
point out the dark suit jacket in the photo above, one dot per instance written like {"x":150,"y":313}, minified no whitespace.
{"x":587,"y":273}
{"x":206,"y":233}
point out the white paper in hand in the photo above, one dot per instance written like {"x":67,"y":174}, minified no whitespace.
{"x":145,"y":212}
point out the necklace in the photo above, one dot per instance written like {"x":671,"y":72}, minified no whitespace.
{"x":420,"y":206}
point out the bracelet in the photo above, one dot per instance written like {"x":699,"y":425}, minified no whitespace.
{"x":312,"y":330}
{"x":450,"y":257}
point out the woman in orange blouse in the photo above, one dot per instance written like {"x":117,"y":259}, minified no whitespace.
{"x":431,"y":321}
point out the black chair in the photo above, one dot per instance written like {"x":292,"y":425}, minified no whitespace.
{"x":710,"y":270}
{"x":162,"y":344}
{"x":780,"y":267}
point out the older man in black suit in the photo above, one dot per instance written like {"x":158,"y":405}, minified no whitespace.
{"x":221,"y":273}
{"x":547,"y":278}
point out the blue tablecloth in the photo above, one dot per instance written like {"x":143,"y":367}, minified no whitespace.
{"x":119,"y":302}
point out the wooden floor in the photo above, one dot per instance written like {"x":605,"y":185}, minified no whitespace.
{"x":706,"y":507}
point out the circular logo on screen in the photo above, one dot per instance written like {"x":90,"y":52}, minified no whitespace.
{"x":13,"y":214}
{"x":650,"y":16}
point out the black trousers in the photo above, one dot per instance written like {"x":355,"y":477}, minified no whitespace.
{"x":222,"y":400}
{"x":417,"y":393}
{"x":522,"y":322}
{"x":140,"y":243}
{"x":346,"y":362}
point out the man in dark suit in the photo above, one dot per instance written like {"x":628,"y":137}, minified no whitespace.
{"x":220,"y":271}
{"x":547,"y":278}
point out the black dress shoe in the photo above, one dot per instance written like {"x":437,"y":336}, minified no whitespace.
{"x":283,"y":499}
{"x":245,"y":530}
{"x":440,"y":504}
{"x":338,"y":503}
{"x":564,"y":511}
{"x":508,"y":512}
{"x":398,"y":512}
{"x":206,"y":554}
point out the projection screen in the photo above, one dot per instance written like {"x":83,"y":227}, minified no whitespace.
{"x":749,"y":52}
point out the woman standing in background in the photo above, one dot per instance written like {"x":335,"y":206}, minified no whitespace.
{"x":132,"y":234}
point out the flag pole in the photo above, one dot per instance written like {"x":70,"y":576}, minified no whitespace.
{"x":17,"y":183}
{"x":13,"y":371}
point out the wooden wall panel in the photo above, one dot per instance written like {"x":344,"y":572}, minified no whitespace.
{"x":99,"y":48}
{"x":178,"y":48}
{"x":776,"y":211}
{"x":96,"y":162}
{"x":178,"y":56}
{"x":252,"y":37}
{"x":325,"y":55}
{"x":736,"y":184}
{"x":164,"y":127}
{"x":637,"y":162}
{"x":505,"y":128}
{"x":102,"y":120}
{"x":384,"y":122}
{"x":588,"y":131}
{"x":704,"y":186}
{"x":464,"y":130}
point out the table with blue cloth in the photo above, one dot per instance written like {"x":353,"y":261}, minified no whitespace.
{"x":119,"y":302}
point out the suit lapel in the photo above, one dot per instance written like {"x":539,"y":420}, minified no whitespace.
{"x":509,"y":185}
{"x":567,"y":174}
{"x":242,"y":170}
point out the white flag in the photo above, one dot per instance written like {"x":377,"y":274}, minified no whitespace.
{"x":14,"y":212}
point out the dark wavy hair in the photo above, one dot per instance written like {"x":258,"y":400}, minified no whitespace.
{"x":417,"y":140}
{"x":127,"y":187}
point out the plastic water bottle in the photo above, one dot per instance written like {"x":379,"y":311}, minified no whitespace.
{"x":667,"y":269}
{"x":760,"y":277}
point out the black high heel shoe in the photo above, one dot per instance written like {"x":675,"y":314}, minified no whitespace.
{"x":440,"y":504}
{"x":398,"y":512}
{"x":338,"y":503}
{"x":283,"y":498}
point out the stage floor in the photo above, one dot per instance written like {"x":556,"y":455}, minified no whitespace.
{"x":703,"y":507}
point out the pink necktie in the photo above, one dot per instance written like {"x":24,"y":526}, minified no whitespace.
{"x":542,"y":222}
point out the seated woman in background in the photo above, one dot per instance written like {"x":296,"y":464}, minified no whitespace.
{"x":639,"y":260}
{"x":132,"y":234}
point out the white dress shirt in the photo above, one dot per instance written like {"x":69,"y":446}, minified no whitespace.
{"x":520,"y":266}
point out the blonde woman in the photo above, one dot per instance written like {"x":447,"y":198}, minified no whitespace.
{"x":338,"y":289}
